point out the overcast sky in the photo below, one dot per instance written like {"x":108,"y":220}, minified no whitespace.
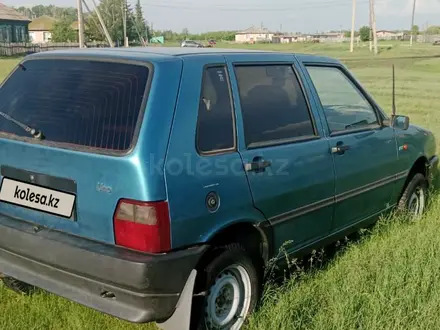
{"x":292,"y":15}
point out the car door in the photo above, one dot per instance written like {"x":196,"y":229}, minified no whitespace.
{"x":289,"y":168}
{"x":363,"y":148}
{"x":202,"y":163}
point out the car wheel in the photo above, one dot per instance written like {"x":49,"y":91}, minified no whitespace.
{"x":231,"y":283}
{"x":16,"y":285}
{"x":414,"y":198}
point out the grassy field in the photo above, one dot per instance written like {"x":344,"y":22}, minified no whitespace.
{"x":390,"y":279}
{"x":389,"y":49}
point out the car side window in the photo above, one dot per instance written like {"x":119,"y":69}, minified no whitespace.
{"x":273,"y":105}
{"x":215,"y":122}
{"x":344,"y":105}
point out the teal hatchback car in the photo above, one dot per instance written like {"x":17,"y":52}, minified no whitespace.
{"x":155,"y":184}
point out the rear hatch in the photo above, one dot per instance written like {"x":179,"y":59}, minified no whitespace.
{"x":68,"y":135}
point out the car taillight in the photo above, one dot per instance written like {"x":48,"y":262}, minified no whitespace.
{"x":142,"y":226}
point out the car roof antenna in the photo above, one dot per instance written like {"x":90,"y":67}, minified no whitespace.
{"x":394,"y":92}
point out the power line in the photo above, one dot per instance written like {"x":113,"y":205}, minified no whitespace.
{"x":249,"y":6}
{"x":109,"y":39}
{"x":141,"y":38}
{"x":93,"y":18}
{"x":182,"y":6}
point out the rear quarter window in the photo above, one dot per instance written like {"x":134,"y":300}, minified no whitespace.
{"x":78,"y":103}
{"x":215,"y":122}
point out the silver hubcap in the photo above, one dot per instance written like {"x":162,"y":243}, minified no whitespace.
{"x":229,"y":299}
{"x":416,"y":203}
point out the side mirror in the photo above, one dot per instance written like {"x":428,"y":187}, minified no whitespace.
{"x":400,"y":122}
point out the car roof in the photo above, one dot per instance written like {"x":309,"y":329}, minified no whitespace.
{"x":158,"y":52}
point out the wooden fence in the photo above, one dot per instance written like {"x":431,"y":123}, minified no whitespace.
{"x":20,"y":49}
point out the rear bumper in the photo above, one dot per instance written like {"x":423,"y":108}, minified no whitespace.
{"x":143,"y":287}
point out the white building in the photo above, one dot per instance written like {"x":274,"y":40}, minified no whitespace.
{"x":253,"y":34}
{"x":389,"y":35}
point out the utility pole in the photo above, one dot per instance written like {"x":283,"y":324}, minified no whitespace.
{"x":371,"y":25}
{"x":124,"y":18}
{"x":107,"y":35}
{"x":412,"y":23}
{"x":80,"y":24}
{"x":373,"y":14}
{"x":425,"y":38}
{"x":352,"y":26}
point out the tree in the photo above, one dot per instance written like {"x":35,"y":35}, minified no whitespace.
{"x":433,"y":30}
{"x":364,"y":33}
{"x":111,"y":12}
{"x":141,"y":24}
{"x":415,"y":30}
{"x":25,"y":11}
{"x":63,"y":32}
{"x":38,"y":10}
{"x":68,"y":13}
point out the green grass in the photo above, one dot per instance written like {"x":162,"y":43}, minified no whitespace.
{"x":45,"y":311}
{"x":6,"y":66}
{"x":389,"y":280}
{"x":341,"y":50}
{"x":391,"y":49}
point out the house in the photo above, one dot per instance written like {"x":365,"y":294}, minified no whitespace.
{"x":326,"y":37}
{"x":287,"y":38}
{"x":40,"y":29}
{"x":253,"y":34}
{"x":13,"y":25}
{"x":389,"y":35}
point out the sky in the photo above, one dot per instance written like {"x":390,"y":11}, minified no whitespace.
{"x":286,"y":15}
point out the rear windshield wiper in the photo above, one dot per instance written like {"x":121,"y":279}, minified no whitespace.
{"x":36,"y":133}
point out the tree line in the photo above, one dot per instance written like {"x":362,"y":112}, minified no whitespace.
{"x":138,"y":29}
{"x":364,"y":32}
{"x":173,"y":36}
{"x":112,"y":15}
{"x":69,"y":13}
{"x":111,"y":11}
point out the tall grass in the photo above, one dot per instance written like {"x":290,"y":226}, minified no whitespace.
{"x":388,"y":280}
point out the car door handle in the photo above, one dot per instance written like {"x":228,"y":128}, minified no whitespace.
{"x":257,"y":165}
{"x":340,"y":149}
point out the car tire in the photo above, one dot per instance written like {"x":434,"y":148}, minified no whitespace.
{"x":231,"y":283}
{"x":17,"y":286}
{"x":414,"y":198}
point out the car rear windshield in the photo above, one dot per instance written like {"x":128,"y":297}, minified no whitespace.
{"x":83,"y":103}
